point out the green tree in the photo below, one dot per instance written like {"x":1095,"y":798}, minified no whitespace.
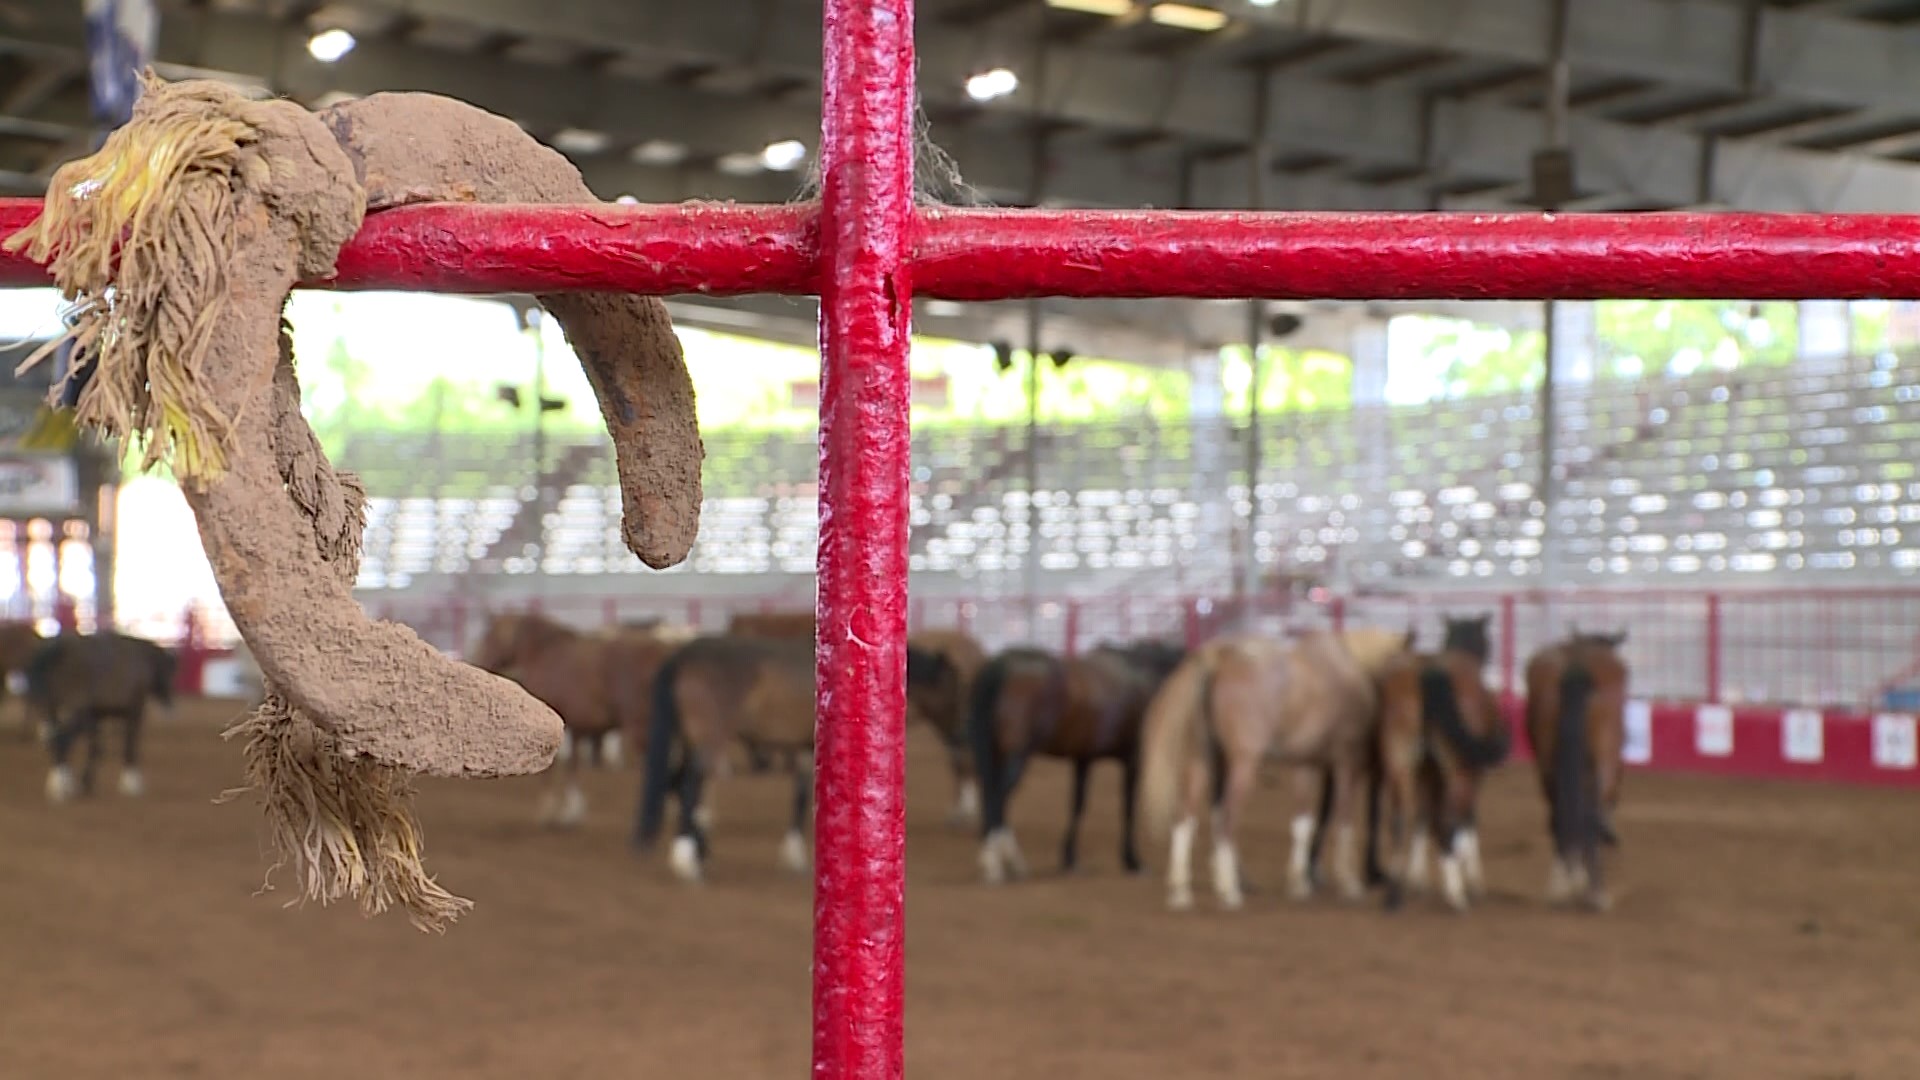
{"x":1652,"y":337}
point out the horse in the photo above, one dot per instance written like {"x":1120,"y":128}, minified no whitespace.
{"x":600,"y":684}
{"x":710,"y":693}
{"x":80,"y":681}
{"x":19,"y":641}
{"x":1085,"y":709}
{"x":1440,"y":729}
{"x":949,"y":663}
{"x":1311,"y":702}
{"x":1576,"y":706}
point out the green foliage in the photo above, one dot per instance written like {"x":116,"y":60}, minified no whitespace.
{"x":1652,"y":337}
{"x":1293,"y":380}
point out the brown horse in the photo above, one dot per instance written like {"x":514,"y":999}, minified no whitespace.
{"x":1576,"y":720}
{"x":711,"y":693}
{"x":1311,"y":702}
{"x":1441,"y":729}
{"x":19,"y":641}
{"x":940,"y":697}
{"x":1084,"y":709}
{"x":80,"y":681}
{"x":600,"y":684}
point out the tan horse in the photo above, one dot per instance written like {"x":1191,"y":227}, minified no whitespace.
{"x":600,"y":683}
{"x":1441,"y":729}
{"x":939,"y":696}
{"x":1576,"y":720}
{"x":1311,"y":702}
{"x":710,"y":694}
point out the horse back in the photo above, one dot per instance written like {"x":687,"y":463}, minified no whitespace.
{"x":763,"y":688}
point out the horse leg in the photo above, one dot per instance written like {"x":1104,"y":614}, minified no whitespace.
{"x":132,"y":784}
{"x":1452,"y":818}
{"x":1129,"y":790}
{"x":690,"y":847}
{"x":1002,"y":839}
{"x":573,"y":799}
{"x":966,"y":790}
{"x":93,"y":752}
{"x":59,"y":739}
{"x":1348,"y":779}
{"x":1300,"y":856}
{"x":1467,"y":843}
{"x":1069,"y":848}
{"x":793,"y":847}
{"x":1180,"y":839}
{"x":1242,"y":776}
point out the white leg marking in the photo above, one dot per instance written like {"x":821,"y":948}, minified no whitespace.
{"x":1180,"y":864}
{"x":1417,"y":864}
{"x":966,"y":803}
{"x":1468,"y":845}
{"x":613,"y":749}
{"x":992,"y":870}
{"x":566,"y":747}
{"x":60,"y":784}
{"x":1010,"y":853}
{"x":1453,"y":882}
{"x":131,"y":783}
{"x":1559,"y":881}
{"x":1299,"y":862}
{"x":573,"y":804}
{"x":685,"y":858}
{"x":703,"y":817}
{"x":1226,"y":874}
{"x":793,"y":852}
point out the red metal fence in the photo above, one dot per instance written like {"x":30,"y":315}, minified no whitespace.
{"x":866,"y":249}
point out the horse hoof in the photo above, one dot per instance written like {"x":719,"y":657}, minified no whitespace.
{"x":60,"y":785}
{"x":685,"y":858}
{"x":131,"y":784}
{"x":1232,"y":901}
{"x":1180,"y":900}
{"x":1597,"y":902}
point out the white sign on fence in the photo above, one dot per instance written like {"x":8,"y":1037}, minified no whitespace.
{"x":1713,"y":731}
{"x":1637,"y":749}
{"x":1893,"y":741}
{"x":1803,"y":736}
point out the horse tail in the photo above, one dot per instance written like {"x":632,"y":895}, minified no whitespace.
{"x":1175,"y":729}
{"x":1576,"y":806}
{"x":39,"y":671}
{"x":982,"y":737}
{"x":1442,"y":708}
{"x":657,"y":771}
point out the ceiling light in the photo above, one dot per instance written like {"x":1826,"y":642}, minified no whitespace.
{"x":658,"y":152}
{"x":1263,"y":3}
{"x":626,"y":200}
{"x":330,"y":45}
{"x":1115,"y":8}
{"x":988,"y":85}
{"x":739,"y":164}
{"x":580,"y":141}
{"x":785,"y":155}
{"x":1188,"y":17}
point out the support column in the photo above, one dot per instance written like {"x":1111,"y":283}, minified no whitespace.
{"x":1212,"y":565}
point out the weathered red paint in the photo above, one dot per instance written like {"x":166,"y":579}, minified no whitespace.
{"x":727,"y":249}
{"x":866,"y":221}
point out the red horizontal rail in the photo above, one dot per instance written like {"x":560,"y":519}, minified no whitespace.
{"x":729,"y":249}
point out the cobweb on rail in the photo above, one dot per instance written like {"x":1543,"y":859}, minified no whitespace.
{"x":936,"y":176}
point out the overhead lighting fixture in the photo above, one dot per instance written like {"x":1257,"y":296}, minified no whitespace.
{"x":1188,"y":17}
{"x":626,"y":200}
{"x":659,"y":153}
{"x":1115,"y":8}
{"x":739,"y":164}
{"x":328,"y":46}
{"x":988,"y":85}
{"x":784,"y":156}
{"x":1263,"y":3}
{"x":581,"y":141}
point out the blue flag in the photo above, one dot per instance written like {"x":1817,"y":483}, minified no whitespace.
{"x":121,"y":35}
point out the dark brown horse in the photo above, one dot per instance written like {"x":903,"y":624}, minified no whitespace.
{"x":19,"y":641}
{"x":949,"y":663}
{"x":601,"y":684}
{"x":1085,"y":709}
{"x":1576,"y":720}
{"x":1441,"y":729}
{"x":79,"y":681}
{"x":711,"y":693}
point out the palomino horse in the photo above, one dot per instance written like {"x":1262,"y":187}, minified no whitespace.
{"x":19,"y":641}
{"x":601,"y":684}
{"x":1311,"y":702}
{"x":950,"y":662}
{"x":1085,"y":709}
{"x":1440,"y":729}
{"x":712,"y":692}
{"x":82,"y":680}
{"x":1576,"y":720}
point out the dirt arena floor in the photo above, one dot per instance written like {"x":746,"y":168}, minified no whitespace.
{"x":1762,"y":931}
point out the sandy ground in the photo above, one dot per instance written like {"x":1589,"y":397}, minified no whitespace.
{"x":1762,"y":931}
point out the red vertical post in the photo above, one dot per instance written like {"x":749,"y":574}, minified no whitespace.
{"x":866,"y":220}
{"x":609,"y":612}
{"x":1337,"y":613}
{"x":1073,"y":629}
{"x":1713,"y":648}
{"x":1509,"y":644}
{"x":1193,"y":624}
